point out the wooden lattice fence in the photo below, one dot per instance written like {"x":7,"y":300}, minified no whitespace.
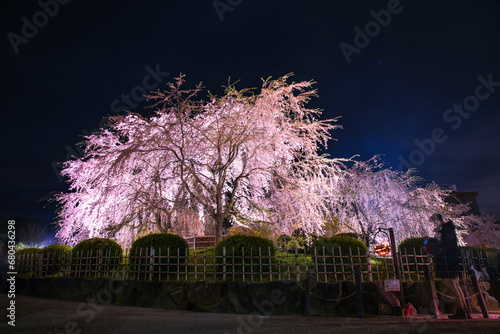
{"x":261,"y":266}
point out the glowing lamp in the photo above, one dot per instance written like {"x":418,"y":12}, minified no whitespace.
{"x":382,"y":249}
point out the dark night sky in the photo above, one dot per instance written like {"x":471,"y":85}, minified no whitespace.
{"x":396,"y":90}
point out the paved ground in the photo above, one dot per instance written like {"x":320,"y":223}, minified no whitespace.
{"x":36,"y":315}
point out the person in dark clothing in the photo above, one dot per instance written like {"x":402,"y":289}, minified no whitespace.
{"x":449,"y":245}
{"x":450,"y":250}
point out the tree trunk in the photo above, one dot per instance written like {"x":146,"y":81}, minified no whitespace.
{"x":161,"y":228}
{"x":219,"y":220}
{"x":367,"y":241}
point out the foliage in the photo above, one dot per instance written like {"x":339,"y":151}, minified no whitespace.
{"x":343,"y":242}
{"x":31,"y":250}
{"x":240,"y":229}
{"x":493,"y":253}
{"x":330,"y":226}
{"x":235,"y":158}
{"x":349,"y":234}
{"x":341,"y":246}
{"x":58,"y":249}
{"x":244,"y":249}
{"x":482,"y":249}
{"x":285,"y":241}
{"x":482,"y":231}
{"x":96,"y":244}
{"x":298,"y":240}
{"x":54,"y":256}
{"x":368,"y":196}
{"x":162,"y":243}
{"x":93,"y":246}
{"x":418,"y":242}
{"x":260,"y":229}
{"x":29,"y":257}
{"x":246,"y":159}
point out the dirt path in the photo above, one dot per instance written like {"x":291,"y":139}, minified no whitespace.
{"x":36,"y":315}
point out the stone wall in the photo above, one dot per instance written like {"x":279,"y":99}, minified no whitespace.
{"x":273,"y":298}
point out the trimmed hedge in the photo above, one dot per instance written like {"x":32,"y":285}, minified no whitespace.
{"x":55,"y":261}
{"x":494,"y":255}
{"x":339,"y":241}
{"x":432,"y":247}
{"x":491,"y":251}
{"x":349,"y":234}
{"x":29,"y":262}
{"x":418,"y":243}
{"x":110,"y":249}
{"x":250,"y":262}
{"x":57,"y":248}
{"x":441,"y":266}
{"x":336,"y":246}
{"x":162,"y":243}
{"x":31,"y":250}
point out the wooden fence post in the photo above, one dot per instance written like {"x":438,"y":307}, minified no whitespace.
{"x":270,"y":264}
{"x":233,"y":256}
{"x":466,"y":292}
{"x":397,"y":269}
{"x":431,"y":288}
{"x":297,"y":266}
{"x":260,"y":264}
{"x":480,"y":297}
{"x":31,"y":261}
{"x":89,"y":263}
{"x":39,"y":258}
{"x":99,"y":267}
{"x":168,"y":264}
{"x":307,"y":302}
{"x":224,"y":263}
{"x":151,"y":263}
{"x":178,"y":264}
{"x":186,"y":265}
{"x":138,"y":261}
{"x":359,"y":291}
{"x":368,"y":264}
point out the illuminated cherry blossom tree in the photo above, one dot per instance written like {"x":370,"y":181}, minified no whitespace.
{"x":368,"y":196}
{"x":224,"y":161}
{"x":483,"y":231}
{"x":243,"y":158}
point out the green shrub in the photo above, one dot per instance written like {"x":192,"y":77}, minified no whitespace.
{"x":58,"y":249}
{"x":86,"y":256}
{"x":418,"y":243}
{"x":285,"y":241}
{"x":339,"y":241}
{"x":298,"y":240}
{"x":30,"y":250}
{"x":493,"y":255}
{"x":340,"y":247}
{"x":27,"y":260}
{"x":56,"y":257}
{"x":349,"y":234}
{"x":235,"y":259}
{"x":491,"y":251}
{"x":163,"y":244}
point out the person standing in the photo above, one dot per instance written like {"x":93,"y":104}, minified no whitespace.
{"x":449,"y":247}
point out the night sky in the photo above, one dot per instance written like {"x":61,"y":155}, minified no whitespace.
{"x":421,"y":85}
